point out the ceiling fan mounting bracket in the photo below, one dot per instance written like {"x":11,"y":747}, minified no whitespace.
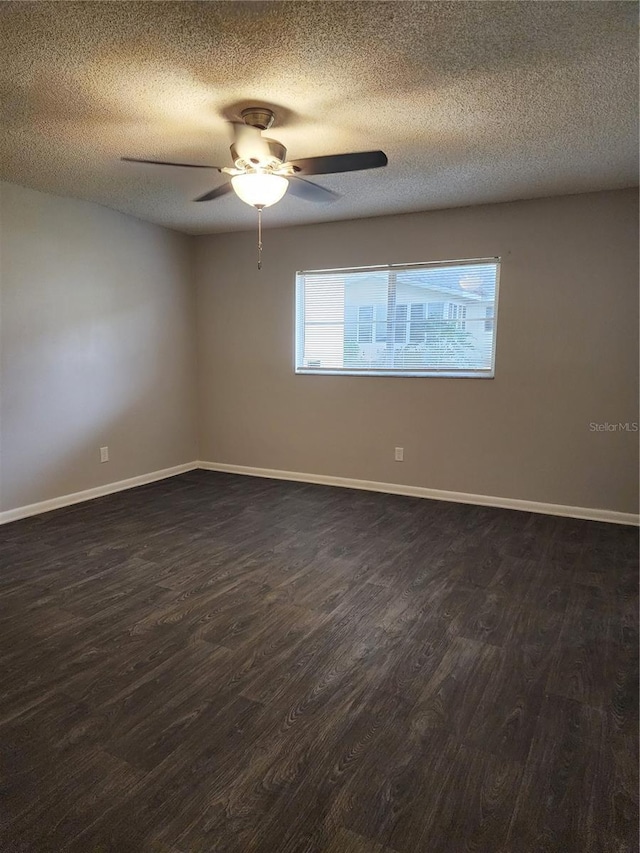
{"x":259,"y":117}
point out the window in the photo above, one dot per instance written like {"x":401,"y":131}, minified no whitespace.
{"x":418,"y":327}
{"x":401,"y":320}
{"x":365,"y":324}
{"x":488,"y":318}
{"x":381,"y":323}
{"x":400,"y":325}
{"x":457,"y":313}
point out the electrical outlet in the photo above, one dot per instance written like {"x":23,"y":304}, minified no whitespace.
{"x":104,"y":454}
{"x":399,"y":454}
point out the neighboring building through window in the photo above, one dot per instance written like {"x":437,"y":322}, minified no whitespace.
{"x":401,"y":320}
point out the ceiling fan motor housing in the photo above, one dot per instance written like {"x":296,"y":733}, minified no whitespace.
{"x":277,"y":151}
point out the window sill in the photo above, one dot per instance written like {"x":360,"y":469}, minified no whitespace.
{"x":399,"y":374}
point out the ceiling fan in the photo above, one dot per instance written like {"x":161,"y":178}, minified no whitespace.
{"x":261,"y":173}
{"x":257,"y":157}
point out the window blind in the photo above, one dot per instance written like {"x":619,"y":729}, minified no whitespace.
{"x":436,"y":319}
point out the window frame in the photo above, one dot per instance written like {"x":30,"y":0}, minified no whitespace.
{"x":462,"y":373}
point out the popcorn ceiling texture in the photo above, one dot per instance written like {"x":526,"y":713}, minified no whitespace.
{"x":472,"y":101}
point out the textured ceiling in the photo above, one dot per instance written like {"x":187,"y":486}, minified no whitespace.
{"x":472,"y":101}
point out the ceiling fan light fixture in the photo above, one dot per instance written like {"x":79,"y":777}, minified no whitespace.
{"x":260,"y":189}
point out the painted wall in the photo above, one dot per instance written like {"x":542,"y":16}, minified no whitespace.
{"x":96,"y":337}
{"x":567,"y":356}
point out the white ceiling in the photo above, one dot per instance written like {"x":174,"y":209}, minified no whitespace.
{"x":472,"y":101}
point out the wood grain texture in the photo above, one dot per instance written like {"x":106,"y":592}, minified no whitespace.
{"x":221,"y":663}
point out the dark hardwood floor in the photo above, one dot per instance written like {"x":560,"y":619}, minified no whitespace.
{"x":220,"y":663}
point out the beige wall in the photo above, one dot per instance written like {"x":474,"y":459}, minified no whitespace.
{"x":97,"y":347}
{"x":567,"y":356}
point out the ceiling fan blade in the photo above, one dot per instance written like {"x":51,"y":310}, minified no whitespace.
{"x":310,"y":191}
{"x":166,"y":163}
{"x":340,"y":163}
{"x":249,"y":142}
{"x":223,"y":189}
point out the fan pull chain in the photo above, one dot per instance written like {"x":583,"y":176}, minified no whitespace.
{"x":259,"y":206}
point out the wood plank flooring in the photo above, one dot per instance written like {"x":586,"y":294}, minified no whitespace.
{"x":221,"y":663}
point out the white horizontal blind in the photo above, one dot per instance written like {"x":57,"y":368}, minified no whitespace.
{"x":401,"y":320}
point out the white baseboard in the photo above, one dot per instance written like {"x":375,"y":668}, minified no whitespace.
{"x":90,"y":494}
{"x":586,"y":513}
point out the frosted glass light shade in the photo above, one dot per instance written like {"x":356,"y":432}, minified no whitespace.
{"x":260,"y":188}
